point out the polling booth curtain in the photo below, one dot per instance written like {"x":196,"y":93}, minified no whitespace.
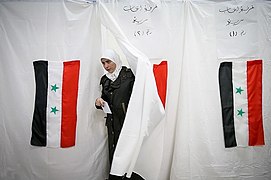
{"x":194,"y":37}
{"x":52,"y":31}
{"x":188,"y":35}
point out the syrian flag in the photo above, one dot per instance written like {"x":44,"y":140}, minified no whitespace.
{"x":160,"y":75}
{"x":55,"y":113}
{"x":241,"y":100}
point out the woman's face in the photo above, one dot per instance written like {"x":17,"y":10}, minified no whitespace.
{"x":108,"y":65}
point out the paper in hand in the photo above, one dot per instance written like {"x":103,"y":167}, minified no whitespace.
{"x":106,"y":108}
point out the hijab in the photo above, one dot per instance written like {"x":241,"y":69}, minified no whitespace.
{"x":114,"y":57}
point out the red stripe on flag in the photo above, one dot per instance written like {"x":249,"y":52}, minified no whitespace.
{"x":69,"y":103}
{"x":255,"y":119}
{"x":160,"y":74}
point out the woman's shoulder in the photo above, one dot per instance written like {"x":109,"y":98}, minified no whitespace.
{"x":127,"y":71}
{"x":104,"y":78}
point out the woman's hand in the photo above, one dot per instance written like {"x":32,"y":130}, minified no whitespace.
{"x":99,"y":102}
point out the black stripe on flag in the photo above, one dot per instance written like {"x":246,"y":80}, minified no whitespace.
{"x":226,"y":95}
{"x":38,"y":137}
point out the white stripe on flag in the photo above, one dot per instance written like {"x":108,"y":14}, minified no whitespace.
{"x":55,"y":73}
{"x":239,"y":73}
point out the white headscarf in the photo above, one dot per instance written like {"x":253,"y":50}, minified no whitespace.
{"x":114,"y":57}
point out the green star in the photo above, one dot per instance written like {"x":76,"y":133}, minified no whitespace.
{"x":54,"y":87}
{"x":240,"y":112}
{"x":54,"y":110}
{"x":239,"y":90}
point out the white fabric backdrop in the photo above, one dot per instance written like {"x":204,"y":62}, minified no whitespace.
{"x":190,"y":139}
{"x":52,"y":31}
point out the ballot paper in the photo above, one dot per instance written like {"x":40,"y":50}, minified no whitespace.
{"x":106,"y":108}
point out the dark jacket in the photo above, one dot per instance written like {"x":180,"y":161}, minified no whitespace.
{"x":117,"y":95}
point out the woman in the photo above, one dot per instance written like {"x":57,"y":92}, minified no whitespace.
{"x":117,"y":85}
